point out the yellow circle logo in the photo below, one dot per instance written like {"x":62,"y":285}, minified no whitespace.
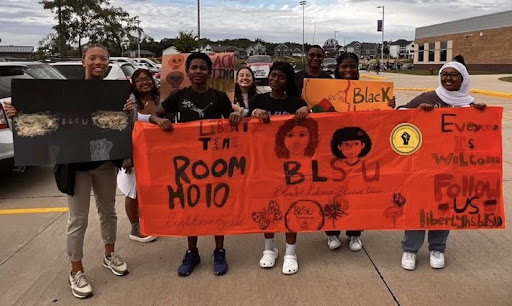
{"x":405,"y":139}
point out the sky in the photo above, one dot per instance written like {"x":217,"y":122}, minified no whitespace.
{"x":25,"y":22}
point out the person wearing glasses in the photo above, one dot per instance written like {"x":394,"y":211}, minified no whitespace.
{"x":453,"y":91}
{"x":145,"y":101}
{"x":314,"y":60}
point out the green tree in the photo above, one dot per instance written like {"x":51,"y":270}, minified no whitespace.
{"x":82,"y":21}
{"x":186,"y":42}
{"x":63,"y":12}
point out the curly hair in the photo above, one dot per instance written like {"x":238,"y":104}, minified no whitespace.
{"x":287,"y":126}
{"x":347,"y":134}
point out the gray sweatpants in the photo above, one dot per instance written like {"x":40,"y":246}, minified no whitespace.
{"x":103,"y":183}
{"x":413,"y":240}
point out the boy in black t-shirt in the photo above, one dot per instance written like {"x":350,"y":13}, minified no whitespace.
{"x":196,"y":102}
{"x":314,"y":59}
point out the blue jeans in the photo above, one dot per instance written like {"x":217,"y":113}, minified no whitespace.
{"x":413,"y":240}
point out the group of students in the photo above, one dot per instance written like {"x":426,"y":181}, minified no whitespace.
{"x":198,"y":102}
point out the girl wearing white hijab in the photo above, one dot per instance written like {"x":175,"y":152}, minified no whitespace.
{"x":453,"y":91}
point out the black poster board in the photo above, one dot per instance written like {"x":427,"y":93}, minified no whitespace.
{"x":69,"y":121}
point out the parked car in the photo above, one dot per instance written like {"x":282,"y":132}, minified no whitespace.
{"x":8,"y":72}
{"x":75,"y":70}
{"x":153,"y":67}
{"x":260,"y":65}
{"x":329,"y":65}
{"x":118,"y":59}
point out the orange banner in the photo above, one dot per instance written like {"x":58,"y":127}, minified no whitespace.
{"x":174,"y":76}
{"x":327,"y":95}
{"x":391,"y":169}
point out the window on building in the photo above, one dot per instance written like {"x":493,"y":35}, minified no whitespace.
{"x":421,"y":50}
{"x":431,"y":52}
{"x":444,"y":51}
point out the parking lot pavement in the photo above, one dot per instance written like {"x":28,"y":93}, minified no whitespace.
{"x":33,"y":266}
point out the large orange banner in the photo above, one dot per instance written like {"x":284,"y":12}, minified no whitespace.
{"x":174,"y":77}
{"x":327,"y":95}
{"x":377,"y":170}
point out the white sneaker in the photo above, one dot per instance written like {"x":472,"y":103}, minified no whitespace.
{"x":409,"y":261}
{"x":115,"y":264}
{"x":140,"y":238}
{"x":333,"y":242}
{"x":80,"y":286}
{"x":436,"y":259}
{"x":355,"y":243}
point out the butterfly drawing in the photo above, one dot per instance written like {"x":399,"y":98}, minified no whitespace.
{"x":264,"y":217}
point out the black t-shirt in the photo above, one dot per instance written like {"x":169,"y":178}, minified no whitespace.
{"x":301,"y":75}
{"x":190,"y":105}
{"x":273,"y":106}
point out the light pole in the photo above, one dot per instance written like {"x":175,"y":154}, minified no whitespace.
{"x":303,"y":4}
{"x":336,"y":40}
{"x":198,"y":21}
{"x":382,"y":28}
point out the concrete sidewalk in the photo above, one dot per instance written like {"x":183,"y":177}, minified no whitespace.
{"x":34,"y":269}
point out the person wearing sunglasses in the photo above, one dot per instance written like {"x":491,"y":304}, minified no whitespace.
{"x":314,"y":59}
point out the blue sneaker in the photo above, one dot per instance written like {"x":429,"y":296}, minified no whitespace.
{"x":190,"y":260}
{"x":220,"y":266}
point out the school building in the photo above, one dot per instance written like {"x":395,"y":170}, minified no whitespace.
{"x":484,"y":41}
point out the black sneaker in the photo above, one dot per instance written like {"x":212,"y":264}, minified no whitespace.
{"x":220,"y":265}
{"x":190,"y":260}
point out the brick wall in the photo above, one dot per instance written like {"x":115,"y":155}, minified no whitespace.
{"x":484,"y":50}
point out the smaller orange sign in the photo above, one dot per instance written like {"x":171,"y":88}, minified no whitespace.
{"x":327,"y":95}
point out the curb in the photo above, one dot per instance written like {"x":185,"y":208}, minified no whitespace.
{"x":373,"y":77}
{"x":498,"y":94}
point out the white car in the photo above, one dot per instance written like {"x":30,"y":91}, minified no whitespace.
{"x":75,"y":70}
{"x":151,"y":64}
{"x":8,"y":72}
{"x":260,"y":65}
{"x":118,"y":59}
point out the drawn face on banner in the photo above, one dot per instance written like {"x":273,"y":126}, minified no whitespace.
{"x":176,"y":61}
{"x":175,"y":78}
{"x":351,"y":148}
{"x":297,"y":140}
{"x":350,"y":144}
